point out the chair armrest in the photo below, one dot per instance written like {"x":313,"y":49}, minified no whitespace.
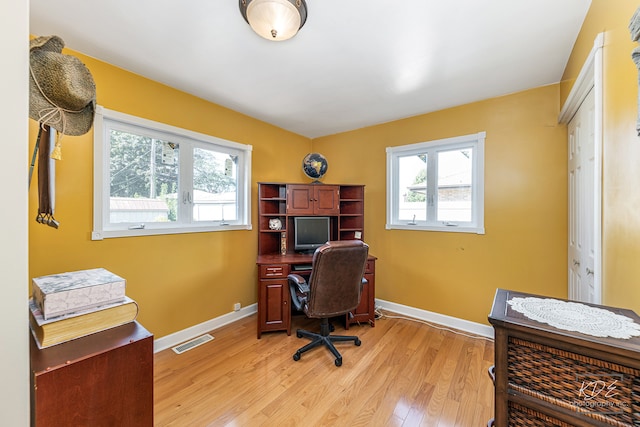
{"x":301,"y":284}
{"x":299,"y":289}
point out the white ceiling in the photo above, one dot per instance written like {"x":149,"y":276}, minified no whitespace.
{"x":355,"y":63}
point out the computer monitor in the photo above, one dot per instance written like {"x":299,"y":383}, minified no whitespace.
{"x":310,"y":232}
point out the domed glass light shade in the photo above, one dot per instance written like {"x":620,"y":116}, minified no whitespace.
{"x":275,"y":20}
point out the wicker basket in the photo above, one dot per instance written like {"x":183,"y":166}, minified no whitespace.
{"x":520,"y":416}
{"x":598,"y":389}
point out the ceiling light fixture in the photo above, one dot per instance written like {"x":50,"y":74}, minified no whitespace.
{"x":274,"y":19}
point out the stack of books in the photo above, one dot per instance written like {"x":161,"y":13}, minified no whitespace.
{"x":72,"y":305}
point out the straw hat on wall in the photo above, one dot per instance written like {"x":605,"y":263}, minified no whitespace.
{"x":62,"y":93}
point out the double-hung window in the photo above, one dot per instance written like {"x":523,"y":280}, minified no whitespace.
{"x":437,"y":185}
{"x":152,"y":178}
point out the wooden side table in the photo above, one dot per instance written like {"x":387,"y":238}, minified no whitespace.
{"x":103,"y":379}
{"x":545,"y":376}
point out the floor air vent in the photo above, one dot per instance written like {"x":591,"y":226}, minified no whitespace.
{"x":179,"y":349}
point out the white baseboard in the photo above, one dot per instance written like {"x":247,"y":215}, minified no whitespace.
{"x":428,"y":316}
{"x":176,"y":338}
{"x":440,"y":319}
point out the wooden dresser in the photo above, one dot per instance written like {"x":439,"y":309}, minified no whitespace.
{"x":546,"y":377}
{"x":104,"y":379}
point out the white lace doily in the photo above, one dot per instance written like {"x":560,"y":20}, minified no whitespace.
{"x":576,"y":317}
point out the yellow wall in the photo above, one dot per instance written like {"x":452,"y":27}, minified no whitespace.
{"x":621,"y":147}
{"x":178,"y":280}
{"x":182,"y":280}
{"x":525,"y":245}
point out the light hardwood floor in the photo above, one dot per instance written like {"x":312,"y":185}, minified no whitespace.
{"x":405,"y":373}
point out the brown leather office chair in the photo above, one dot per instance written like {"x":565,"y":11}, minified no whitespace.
{"x":334,"y":289}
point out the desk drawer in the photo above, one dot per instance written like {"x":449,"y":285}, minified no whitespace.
{"x":274,"y":271}
{"x":370,"y":266}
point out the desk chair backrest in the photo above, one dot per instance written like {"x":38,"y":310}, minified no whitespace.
{"x":336,"y":278}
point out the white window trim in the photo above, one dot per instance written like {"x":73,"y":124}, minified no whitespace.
{"x":393,"y":153}
{"x":101,"y":190}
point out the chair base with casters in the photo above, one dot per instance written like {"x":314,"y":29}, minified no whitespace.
{"x":324,"y":338}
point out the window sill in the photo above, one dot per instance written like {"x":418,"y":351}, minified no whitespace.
{"x":110,"y":234}
{"x":446,"y":229}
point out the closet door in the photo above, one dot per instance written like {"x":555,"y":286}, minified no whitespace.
{"x":582,"y":203}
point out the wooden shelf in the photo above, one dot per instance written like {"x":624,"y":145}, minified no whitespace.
{"x":344,"y":204}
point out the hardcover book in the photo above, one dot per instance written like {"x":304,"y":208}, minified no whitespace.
{"x":64,"y":293}
{"x":79,"y":324}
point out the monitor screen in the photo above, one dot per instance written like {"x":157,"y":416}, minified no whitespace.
{"x":310,"y":232}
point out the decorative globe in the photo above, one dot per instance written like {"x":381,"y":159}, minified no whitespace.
{"x":314,"y":165}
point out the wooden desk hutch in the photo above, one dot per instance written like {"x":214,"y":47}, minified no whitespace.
{"x":344,"y":205}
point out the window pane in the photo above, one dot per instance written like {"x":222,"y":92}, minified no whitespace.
{"x":143,"y":179}
{"x":214,"y":186}
{"x":454,"y":185}
{"x":153,"y":178}
{"x":412,"y":180}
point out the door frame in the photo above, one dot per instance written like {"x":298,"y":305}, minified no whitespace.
{"x":590,"y":78}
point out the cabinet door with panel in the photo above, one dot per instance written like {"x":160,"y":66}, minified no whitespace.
{"x":310,"y":199}
{"x":273,"y":299}
{"x":365,"y":312}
